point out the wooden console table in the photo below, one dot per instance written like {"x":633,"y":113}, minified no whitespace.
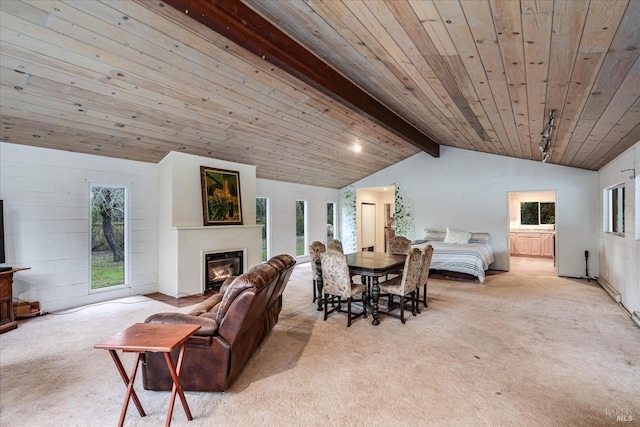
{"x":7,"y":321}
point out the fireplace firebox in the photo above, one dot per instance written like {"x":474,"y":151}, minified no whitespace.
{"x":218,"y":266}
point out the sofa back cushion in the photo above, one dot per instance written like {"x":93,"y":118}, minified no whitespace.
{"x":244,"y":304}
{"x":237,"y":287}
{"x":268,"y":273}
{"x":284,"y":265}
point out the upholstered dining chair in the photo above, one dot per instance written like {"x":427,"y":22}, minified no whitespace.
{"x":336,"y":245}
{"x":315,"y":249}
{"x":336,"y":281}
{"x":405,"y":284}
{"x":427,"y":254}
{"x":399,"y":245}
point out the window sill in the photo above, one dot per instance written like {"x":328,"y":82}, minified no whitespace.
{"x":614,"y":233}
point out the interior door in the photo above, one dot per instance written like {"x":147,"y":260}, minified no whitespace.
{"x":368,"y":217}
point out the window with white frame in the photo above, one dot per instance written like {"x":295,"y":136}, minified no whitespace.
{"x":331,"y":223}
{"x":109,"y":237}
{"x":537,"y":213}
{"x":262,"y":218}
{"x":614,"y":209}
{"x":301,"y":227}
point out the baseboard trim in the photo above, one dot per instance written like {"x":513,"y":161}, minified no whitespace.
{"x":613,"y":292}
{"x":636,"y":317}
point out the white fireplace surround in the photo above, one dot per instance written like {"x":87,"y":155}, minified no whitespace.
{"x":182,"y":272}
{"x":203,"y":267}
{"x":181,"y":236}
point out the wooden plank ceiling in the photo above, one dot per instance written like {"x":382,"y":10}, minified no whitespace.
{"x":136,"y":79}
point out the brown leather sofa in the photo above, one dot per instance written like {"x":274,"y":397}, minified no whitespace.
{"x":234,"y":323}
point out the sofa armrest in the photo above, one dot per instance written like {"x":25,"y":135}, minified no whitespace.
{"x":208,"y":326}
{"x":207,"y":306}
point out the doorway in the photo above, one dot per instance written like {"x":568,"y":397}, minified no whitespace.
{"x":375,"y":206}
{"x":368,"y":216}
{"x":532,"y":233}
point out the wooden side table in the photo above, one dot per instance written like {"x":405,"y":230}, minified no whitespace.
{"x":153,"y":337}
{"x":7,"y":321}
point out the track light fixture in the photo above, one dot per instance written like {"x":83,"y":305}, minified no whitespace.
{"x":545,"y":157}
{"x":546,"y":137}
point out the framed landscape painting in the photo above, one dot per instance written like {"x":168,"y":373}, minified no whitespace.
{"x":220,"y":196}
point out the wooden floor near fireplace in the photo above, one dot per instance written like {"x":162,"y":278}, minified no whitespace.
{"x":178,"y":302}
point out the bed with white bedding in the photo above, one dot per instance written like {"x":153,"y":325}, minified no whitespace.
{"x":450,"y":255}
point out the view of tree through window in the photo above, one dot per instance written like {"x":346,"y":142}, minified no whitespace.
{"x":261,"y":219}
{"x":536,"y":213}
{"x":547,"y":213}
{"x":301,"y":247}
{"x":108,"y":219}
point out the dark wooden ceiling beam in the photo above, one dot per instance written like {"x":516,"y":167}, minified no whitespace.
{"x":241,"y":24}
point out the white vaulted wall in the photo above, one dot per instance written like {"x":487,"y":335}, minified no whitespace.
{"x":282,"y":198}
{"x":468,"y":190}
{"x":183,"y":237}
{"x":46,"y":206}
{"x":620,"y":254}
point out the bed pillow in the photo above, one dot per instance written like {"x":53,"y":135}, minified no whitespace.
{"x":434,"y":235}
{"x":457,"y":236}
{"x":479,"y":238}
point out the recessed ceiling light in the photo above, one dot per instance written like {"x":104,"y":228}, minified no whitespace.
{"x":357,"y":148}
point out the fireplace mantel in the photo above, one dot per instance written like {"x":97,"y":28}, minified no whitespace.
{"x":214,"y":227}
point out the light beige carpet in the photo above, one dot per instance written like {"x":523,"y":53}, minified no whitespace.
{"x":515,"y":351}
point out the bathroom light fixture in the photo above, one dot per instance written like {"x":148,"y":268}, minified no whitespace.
{"x":546,"y":137}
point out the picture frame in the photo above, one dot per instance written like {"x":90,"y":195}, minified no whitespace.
{"x":221,"y":202}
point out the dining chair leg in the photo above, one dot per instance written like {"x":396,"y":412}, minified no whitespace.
{"x":425,"y":295}
{"x":348,"y":312}
{"x":402,"y":309}
{"x":325,"y":306}
{"x":414,"y":303}
{"x":418,"y":300}
{"x":315,"y":296}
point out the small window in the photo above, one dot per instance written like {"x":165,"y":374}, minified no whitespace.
{"x":537,"y":213}
{"x":262,"y":219}
{"x":547,"y":213}
{"x":109,"y":248}
{"x":614,"y":209}
{"x":330,"y":221}
{"x":301,"y":227}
